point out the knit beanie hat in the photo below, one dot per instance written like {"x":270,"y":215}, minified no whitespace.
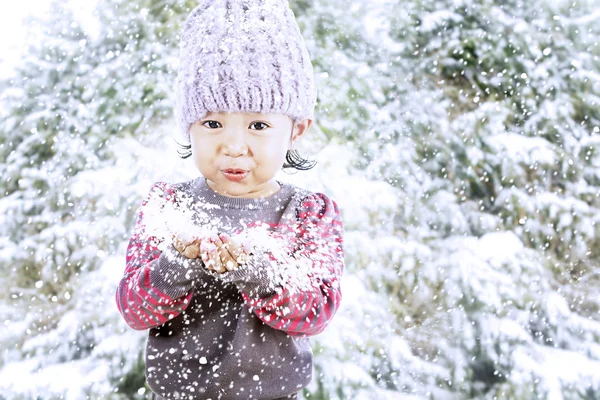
{"x":243,"y":56}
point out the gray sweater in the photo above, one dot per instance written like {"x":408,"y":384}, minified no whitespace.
{"x":242,"y":334}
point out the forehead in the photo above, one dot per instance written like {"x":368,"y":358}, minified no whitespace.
{"x":247,"y":116}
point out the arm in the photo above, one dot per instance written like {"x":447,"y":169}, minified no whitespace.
{"x":157,"y":285}
{"x":304,"y":304}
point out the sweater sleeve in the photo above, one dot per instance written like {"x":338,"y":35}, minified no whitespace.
{"x":157,"y":285}
{"x":301,"y":303}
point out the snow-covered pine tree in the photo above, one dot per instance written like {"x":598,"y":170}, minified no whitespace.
{"x":69,"y":194}
{"x":492,"y":145}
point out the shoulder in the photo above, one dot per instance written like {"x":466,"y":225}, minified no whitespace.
{"x":170,"y":192}
{"x":309,"y":203}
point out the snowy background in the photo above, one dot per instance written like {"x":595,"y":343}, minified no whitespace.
{"x":461,"y":139}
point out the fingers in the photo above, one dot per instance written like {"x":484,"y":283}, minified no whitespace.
{"x":231,"y":245}
{"x":236,"y":250}
{"x":210,"y":255}
{"x":190,"y":249}
{"x":239,"y":249}
{"x":220,"y":253}
{"x":179,"y":244}
{"x":228,"y":263}
{"x":214,"y":262}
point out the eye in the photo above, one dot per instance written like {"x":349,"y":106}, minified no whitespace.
{"x":262,"y":125}
{"x":211,"y":124}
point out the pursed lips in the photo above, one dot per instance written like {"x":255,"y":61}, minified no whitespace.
{"x":234,"y":174}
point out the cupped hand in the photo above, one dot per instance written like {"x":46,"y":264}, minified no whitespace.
{"x":223,"y":253}
{"x":189,"y":247}
{"x":237,"y":246}
{"x":219,"y":252}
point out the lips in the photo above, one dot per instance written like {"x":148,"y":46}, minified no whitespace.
{"x":234,"y":174}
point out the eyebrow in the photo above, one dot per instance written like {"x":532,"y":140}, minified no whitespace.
{"x":254,"y":116}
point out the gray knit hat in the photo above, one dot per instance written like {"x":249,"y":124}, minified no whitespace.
{"x":243,"y":56}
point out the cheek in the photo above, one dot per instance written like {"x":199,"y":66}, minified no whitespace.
{"x":274,"y":153}
{"x":200,"y":153}
{"x":278,"y":146}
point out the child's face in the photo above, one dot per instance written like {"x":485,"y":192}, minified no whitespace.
{"x":240,"y":153}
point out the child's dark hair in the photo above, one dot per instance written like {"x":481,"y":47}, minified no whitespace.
{"x":293,"y":159}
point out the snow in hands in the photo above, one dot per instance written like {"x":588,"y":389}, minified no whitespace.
{"x":185,"y":223}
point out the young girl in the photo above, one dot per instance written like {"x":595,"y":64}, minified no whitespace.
{"x":233,"y":271}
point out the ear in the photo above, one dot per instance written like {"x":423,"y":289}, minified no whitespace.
{"x":300,"y":129}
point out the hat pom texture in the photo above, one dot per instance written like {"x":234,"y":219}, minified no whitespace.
{"x":243,"y":56}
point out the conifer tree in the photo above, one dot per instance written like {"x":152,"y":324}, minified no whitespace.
{"x":75,"y":99}
{"x":494,"y":127}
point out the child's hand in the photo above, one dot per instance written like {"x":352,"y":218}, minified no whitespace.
{"x":224,"y":253}
{"x":237,"y":246}
{"x":220,"y":253}
{"x":188,"y":248}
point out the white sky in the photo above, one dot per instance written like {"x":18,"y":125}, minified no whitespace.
{"x":12,"y":29}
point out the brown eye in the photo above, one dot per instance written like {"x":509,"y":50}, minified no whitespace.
{"x":211,"y":124}
{"x":262,"y":125}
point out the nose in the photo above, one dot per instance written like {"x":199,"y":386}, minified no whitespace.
{"x":235,"y":143}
